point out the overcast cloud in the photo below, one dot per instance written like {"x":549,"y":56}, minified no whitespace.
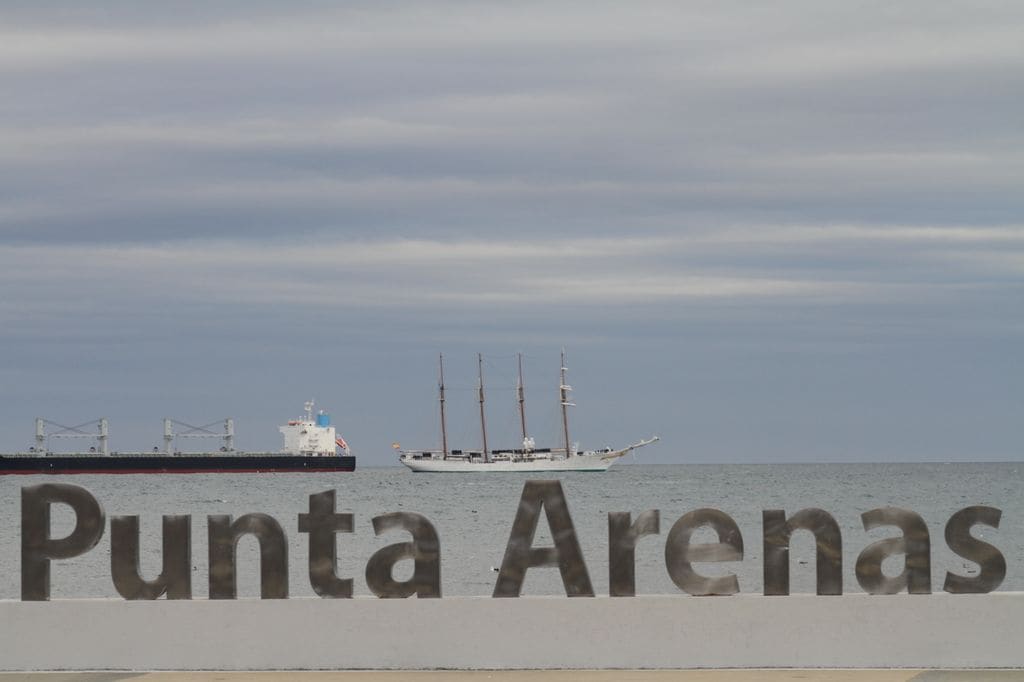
{"x":766,"y":233}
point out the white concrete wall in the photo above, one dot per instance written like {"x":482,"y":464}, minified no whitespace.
{"x":677,"y":631}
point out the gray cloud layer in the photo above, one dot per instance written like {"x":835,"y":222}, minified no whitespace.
{"x":193,"y":196}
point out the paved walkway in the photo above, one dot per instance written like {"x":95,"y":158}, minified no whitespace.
{"x":542,"y":676}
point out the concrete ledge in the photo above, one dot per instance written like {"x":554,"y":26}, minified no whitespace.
{"x":657,"y":632}
{"x":747,"y":675}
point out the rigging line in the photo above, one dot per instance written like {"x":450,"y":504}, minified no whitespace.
{"x":474,"y":387}
{"x":76,"y":429}
{"x":195,"y":429}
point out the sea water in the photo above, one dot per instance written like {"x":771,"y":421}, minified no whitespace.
{"x":473,"y":514}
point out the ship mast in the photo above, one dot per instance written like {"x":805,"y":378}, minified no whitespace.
{"x":483,"y":423}
{"x":564,"y":389}
{"x":444,"y":429}
{"x":522,"y":399}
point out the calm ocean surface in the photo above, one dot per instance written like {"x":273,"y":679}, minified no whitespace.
{"x":473,"y":515}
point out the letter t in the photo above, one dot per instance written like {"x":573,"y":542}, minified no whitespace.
{"x":323,"y":524}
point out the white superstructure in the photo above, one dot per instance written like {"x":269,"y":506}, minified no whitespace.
{"x":310,"y":435}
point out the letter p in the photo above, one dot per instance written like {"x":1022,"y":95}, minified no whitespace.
{"x":38,"y":548}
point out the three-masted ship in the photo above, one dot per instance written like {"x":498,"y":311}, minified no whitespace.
{"x":526,"y":458}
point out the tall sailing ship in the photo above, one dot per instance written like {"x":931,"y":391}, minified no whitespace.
{"x":526,"y":458}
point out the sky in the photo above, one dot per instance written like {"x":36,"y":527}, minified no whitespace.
{"x":765,"y":233}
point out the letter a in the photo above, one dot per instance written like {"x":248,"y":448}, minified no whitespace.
{"x":520,"y":554}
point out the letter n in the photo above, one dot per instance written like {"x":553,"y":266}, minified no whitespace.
{"x":223,"y":539}
{"x":828,"y":543}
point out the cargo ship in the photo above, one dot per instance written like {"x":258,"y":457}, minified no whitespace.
{"x":311,"y":444}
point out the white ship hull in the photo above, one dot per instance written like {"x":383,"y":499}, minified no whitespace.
{"x":586,"y":461}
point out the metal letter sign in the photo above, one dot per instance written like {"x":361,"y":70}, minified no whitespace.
{"x":38,"y":548}
{"x":224,"y":536}
{"x":916,"y":577}
{"x":424,"y":550}
{"x":622,"y":539}
{"x":991,"y":564}
{"x":680,"y":554}
{"x":323,"y":524}
{"x":828,"y":549}
{"x":521,"y":555}
{"x":176,"y":578}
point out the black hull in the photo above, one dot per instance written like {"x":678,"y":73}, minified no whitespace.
{"x":172,"y":464}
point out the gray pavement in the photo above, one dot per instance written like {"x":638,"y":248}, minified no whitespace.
{"x":538,"y":676}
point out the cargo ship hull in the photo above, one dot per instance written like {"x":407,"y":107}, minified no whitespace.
{"x":173,"y":464}
{"x":310,"y":444}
